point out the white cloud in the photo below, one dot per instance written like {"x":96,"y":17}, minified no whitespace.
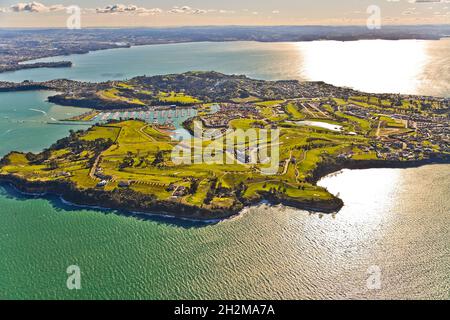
{"x":36,"y":7}
{"x":132,"y":9}
{"x":226,"y":11}
{"x":188,"y":10}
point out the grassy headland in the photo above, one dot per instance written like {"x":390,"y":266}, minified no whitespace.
{"x":128,"y":165}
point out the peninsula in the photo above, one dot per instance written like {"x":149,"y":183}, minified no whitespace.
{"x":124,"y":160}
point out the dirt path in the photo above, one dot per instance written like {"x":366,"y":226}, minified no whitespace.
{"x":307,"y":110}
{"x":297,"y":173}
{"x":146,"y":135}
{"x":286,"y":165}
{"x":94,"y":168}
{"x":97,"y":160}
{"x":320,"y":111}
{"x":378,"y":129}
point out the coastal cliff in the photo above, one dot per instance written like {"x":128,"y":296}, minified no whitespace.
{"x":128,"y":201}
{"x":124,"y":200}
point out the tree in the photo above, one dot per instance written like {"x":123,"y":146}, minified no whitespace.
{"x":159,"y":158}
{"x":52,"y":164}
{"x":240,"y":189}
{"x":194,"y":186}
{"x":128,"y":161}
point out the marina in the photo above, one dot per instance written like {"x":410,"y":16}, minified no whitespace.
{"x":154,"y":116}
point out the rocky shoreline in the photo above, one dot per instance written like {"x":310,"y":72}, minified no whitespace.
{"x":147,"y":205}
{"x":113,"y":200}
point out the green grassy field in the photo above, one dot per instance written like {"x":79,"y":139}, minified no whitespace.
{"x":115,"y":94}
{"x":176,"y":98}
{"x":105,"y":132}
{"x":141,"y":155}
{"x":293,"y":111}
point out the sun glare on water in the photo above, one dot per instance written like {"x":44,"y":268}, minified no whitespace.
{"x":389,"y":66}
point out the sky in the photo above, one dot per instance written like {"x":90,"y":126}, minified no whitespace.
{"x":134,"y":13}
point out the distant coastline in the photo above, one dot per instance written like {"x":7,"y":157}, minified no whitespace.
{"x":30,"y":64}
{"x":104,"y":39}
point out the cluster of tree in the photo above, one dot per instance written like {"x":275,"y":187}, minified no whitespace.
{"x":194,"y":185}
{"x":128,"y":161}
{"x":212,"y":191}
{"x":159,"y":159}
{"x":143,"y":161}
{"x":240,"y":190}
{"x":77,"y":145}
{"x":278,"y":191}
{"x":52,"y":164}
{"x":5,"y":161}
{"x":74,"y":144}
{"x":38,"y":158}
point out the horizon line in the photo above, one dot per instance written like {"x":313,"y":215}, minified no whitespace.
{"x":231,"y":25}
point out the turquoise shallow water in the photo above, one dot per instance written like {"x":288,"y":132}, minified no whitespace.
{"x":395,"y":219}
{"x":24,"y":118}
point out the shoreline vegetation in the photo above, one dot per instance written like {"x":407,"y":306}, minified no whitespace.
{"x":35,"y":65}
{"x":75,"y":197}
{"x":56,"y":43}
{"x":125,"y":162}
